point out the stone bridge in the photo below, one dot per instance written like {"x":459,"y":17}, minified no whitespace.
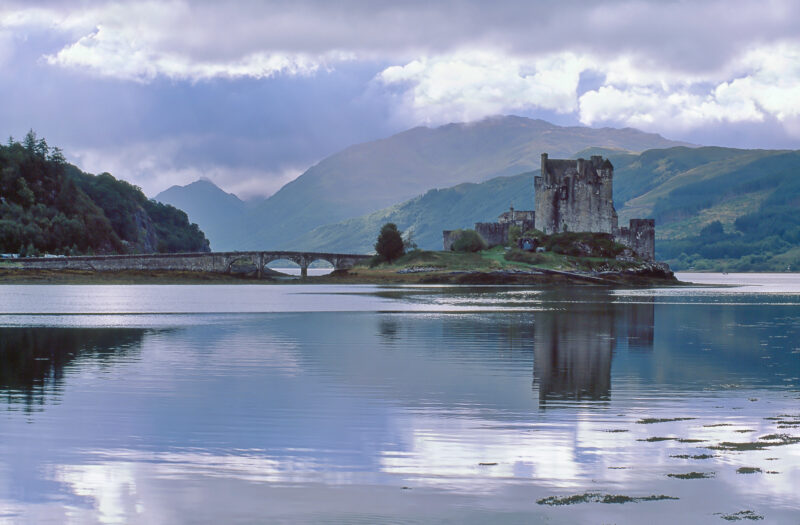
{"x":220,"y":262}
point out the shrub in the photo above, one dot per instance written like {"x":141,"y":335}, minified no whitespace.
{"x":514,"y":233}
{"x":469,"y":241}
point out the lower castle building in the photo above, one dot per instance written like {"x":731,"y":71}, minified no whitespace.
{"x":571,"y":196}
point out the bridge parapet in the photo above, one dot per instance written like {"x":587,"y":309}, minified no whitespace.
{"x":220,"y":262}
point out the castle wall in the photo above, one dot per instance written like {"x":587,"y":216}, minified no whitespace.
{"x":494,"y":233}
{"x":448,"y":238}
{"x":518,"y":217}
{"x":640,"y":237}
{"x":575,"y":195}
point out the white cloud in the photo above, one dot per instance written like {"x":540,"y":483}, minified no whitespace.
{"x":153,"y":167}
{"x":473,"y":84}
{"x":111,"y":53}
{"x":767,"y":85}
{"x":763,"y":83}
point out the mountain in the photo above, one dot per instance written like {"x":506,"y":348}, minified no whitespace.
{"x":48,"y":205}
{"x":427,"y":215}
{"x":218,"y":213}
{"x":368,"y":177}
{"x":715,"y":208}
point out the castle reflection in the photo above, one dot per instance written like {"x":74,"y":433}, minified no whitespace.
{"x":574,"y":344}
{"x":33,"y":359}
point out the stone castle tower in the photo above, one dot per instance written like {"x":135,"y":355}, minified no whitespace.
{"x":575,"y":196}
{"x":571,"y":196}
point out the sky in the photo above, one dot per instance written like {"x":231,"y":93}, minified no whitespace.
{"x":250,"y":94}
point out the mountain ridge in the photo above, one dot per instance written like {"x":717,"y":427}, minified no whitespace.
{"x":367,"y":177}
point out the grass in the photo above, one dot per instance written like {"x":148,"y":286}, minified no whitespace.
{"x":595,"y":497}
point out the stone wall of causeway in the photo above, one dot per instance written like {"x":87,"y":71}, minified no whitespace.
{"x":220,"y":262}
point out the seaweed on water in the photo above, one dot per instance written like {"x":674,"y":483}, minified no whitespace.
{"x":596,"y":497}
{"x":767,"y":441}
{"x":695,"y":456}
{"x":778,"y":437}
{"x":692,"y":475}
{"x":741,"y":515}
{"x":748,"y":470}
{"x":651,"y":420}
{"x":657,"y":438}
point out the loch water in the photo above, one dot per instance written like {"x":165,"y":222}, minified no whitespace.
{"x":401,"y":404}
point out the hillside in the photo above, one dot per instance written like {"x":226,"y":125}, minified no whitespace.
{"x":372,"y":176}
{"x":50,"y":206}
{"x":715,"y":208}
{"x":218,"y":212}
{"x":427,"y":215}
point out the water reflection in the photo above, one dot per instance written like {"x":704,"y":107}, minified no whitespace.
{"x":574,"y":345}
{"x":228,"y":411}
{"x":33,"y":359}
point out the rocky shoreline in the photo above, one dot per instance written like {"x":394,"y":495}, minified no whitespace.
{"x":648,"y":274}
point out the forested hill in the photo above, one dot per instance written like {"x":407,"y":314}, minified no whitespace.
{"x":50,"y":206}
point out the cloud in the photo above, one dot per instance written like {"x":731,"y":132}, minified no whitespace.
{"x":197,"y":39}
{"x":156,"y":165}
{"x":110,"y":53}
{"x":471,"y":85}
{"x":761,"y":83}
{"x":767,"y":86}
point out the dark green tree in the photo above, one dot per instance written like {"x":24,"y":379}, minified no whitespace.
{"x":57,"y":156}
{"x":390,"y":242}
{"x":30,"y":142}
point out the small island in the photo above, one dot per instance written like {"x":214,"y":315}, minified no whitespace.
{"x":571,"y":236}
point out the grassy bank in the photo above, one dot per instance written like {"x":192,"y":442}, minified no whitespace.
{"x":502,"y":266}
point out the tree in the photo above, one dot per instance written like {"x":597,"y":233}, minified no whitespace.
{"x":57,"y":156}
{"x":390,"y":242}
{"x":42,"y":149}
{"x":30,"y":141}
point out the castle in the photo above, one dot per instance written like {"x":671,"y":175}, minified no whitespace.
{"x":571,"y":196}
